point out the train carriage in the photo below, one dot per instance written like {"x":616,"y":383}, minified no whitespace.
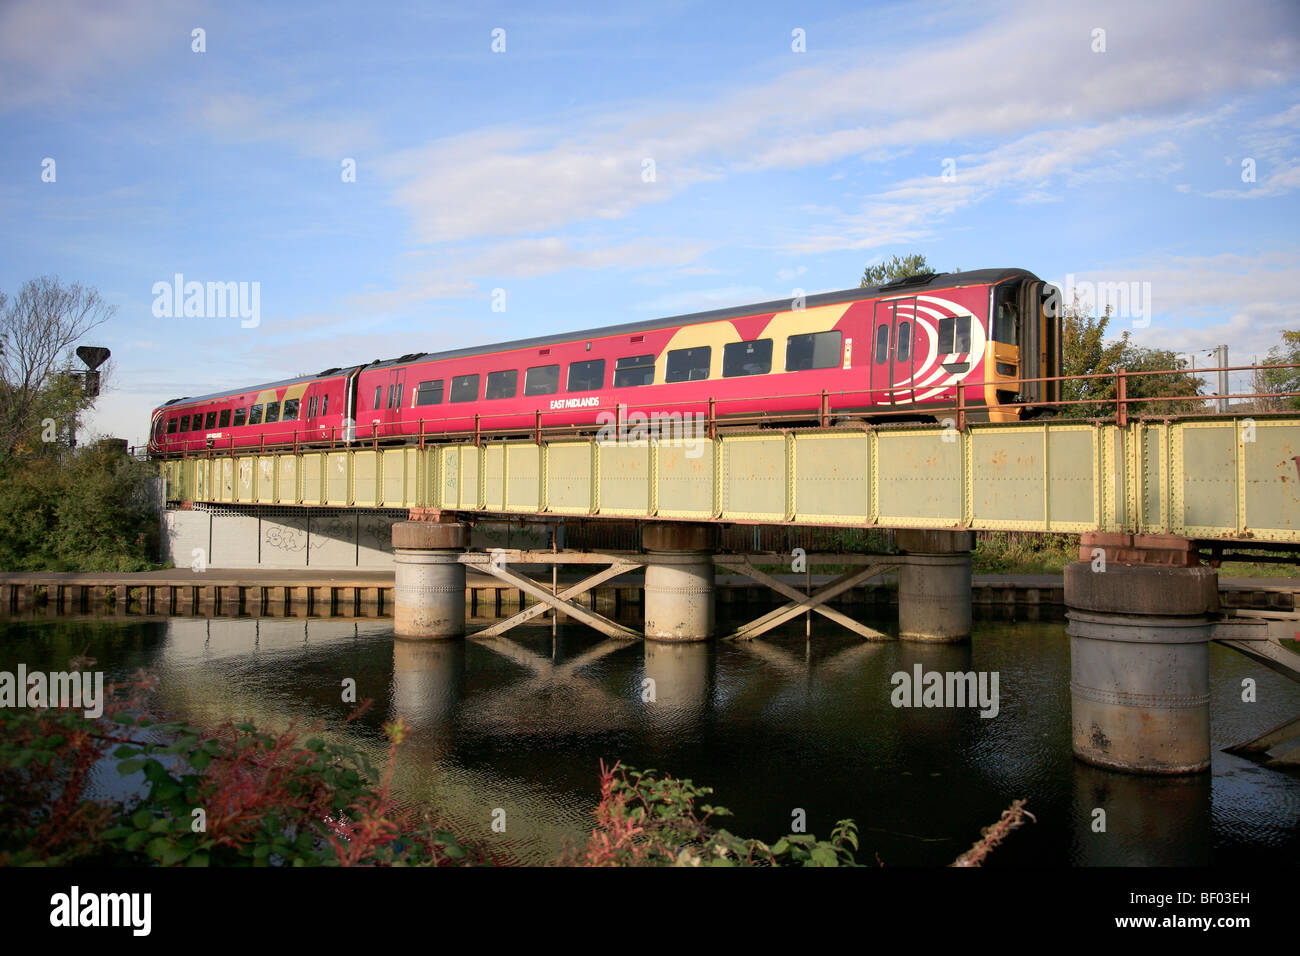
{"x":894,"y":351}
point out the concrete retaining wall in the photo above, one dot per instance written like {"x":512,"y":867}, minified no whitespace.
{"x":322,"y":539}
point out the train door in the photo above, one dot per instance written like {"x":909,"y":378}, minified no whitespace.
{"x":893,"y":353}
{"x":311,"y":411}
{"x":882,"y":340}
{"x":903,"y":359}
{"x":395,"y":402}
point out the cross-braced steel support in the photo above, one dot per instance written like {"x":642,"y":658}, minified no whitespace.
{"x":800,"y":603}
{"x":495,"y":564}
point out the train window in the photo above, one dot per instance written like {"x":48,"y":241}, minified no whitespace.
{"x":171,"y":426}
{"x":688,"y":365}
{"x":379,"y":395}
{"x":502,"y":384}
{"x":954,"y":335}
{"x":185,"y":424}
{"x":1004,"y":323}
{"x":224,"y":421}
{"x":586,"y":376}
{"x":210,"y":420}
{"x":962,"y":344}
{"x":813,"y":350}
{"x":394,"y":396}
{"x":464,"y":388}
{"x":325,"y":405}
{"x":882,"y":343}
{"x":290,"y":412}
{"x":241,"y":415}
{"x":255,"y":415}
{"x":311,"y":407}
{"x":634,"y":370}
{"x":426,"y":393}
{"x":747,"y":358}
{"x":542,"y":380}
{"x":904,"y":346}
{"x":272,"y":412}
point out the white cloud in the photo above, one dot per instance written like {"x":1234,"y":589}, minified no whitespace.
{"x":528,"y":258}
{"x":1028,"y":73}
{"x":239,"y":117}
{"x":501,"y":183}
{"x":1199,"y":302}
{"x":700,"y":300}
{"x":63,"y":52}
{"x":1270,"y":146}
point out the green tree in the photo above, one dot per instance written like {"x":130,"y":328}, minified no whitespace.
{"x":1085,"y":352}
{"x":1175,"y":386}
{"x":87,"y":509}
{"x":896,"y":267}
{"x":1275,"y":383}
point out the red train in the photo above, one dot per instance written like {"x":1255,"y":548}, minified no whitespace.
{"x":894,"y":350}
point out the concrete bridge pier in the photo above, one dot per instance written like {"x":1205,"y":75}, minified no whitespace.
{"x":679,"y":591}
{"x":1140,"y":630}
{"x":934,"y":586}
{"x":429,"y":582}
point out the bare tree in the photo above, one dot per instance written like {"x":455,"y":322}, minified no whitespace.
{"x":38,"y":328}
{"x":1263,"y":385}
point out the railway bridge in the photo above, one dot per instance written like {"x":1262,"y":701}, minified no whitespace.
{"x":1150,"y":498}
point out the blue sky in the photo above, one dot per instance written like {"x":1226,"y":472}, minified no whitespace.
{"x":981,"y":134}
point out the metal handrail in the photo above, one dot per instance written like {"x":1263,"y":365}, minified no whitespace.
{"x":477,"y":425}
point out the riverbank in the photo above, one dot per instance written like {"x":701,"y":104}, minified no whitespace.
{"x":219,"y":592}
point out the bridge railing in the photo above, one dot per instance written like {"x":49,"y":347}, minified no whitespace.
{"x":1113,"y":396}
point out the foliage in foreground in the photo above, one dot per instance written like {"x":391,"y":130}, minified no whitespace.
{"x":240,"y":796}
{"x":234,"y":796}
{"x":646,"y":820}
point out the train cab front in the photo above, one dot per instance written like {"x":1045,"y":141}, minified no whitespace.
{"x":155,"y":434}
{"x":1025,"y":338}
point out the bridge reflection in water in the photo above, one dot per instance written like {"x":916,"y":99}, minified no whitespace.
{"x":520,"y":723}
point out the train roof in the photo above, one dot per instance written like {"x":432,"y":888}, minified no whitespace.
{"x":940,"y":280}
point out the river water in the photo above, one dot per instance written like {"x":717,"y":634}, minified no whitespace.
{"x":781,"y":728}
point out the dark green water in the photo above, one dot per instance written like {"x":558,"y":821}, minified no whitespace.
{"x":774,"y":726}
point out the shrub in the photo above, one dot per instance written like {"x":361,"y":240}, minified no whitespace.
{"x":85,"y":510}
